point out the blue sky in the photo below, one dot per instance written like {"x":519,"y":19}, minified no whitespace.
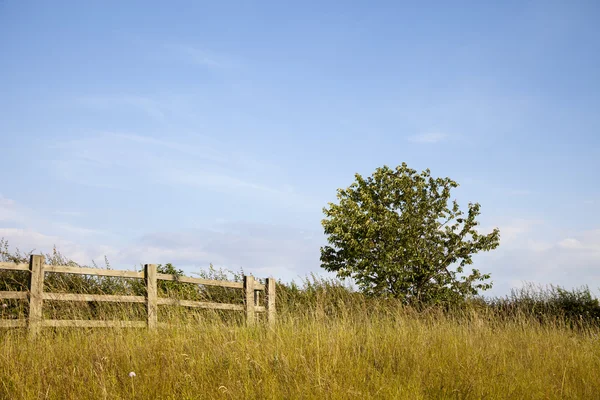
{"x":199,"y":132}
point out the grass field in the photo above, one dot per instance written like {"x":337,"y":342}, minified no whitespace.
{"x":330,"y":342}
{"x":394,"y":353}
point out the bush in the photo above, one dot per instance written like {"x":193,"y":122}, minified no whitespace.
{"x":551,"y":303}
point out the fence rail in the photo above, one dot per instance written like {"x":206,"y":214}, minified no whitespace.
{"x":36,"y":296}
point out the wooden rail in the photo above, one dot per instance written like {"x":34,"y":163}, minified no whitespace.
{"x":36,"y":296}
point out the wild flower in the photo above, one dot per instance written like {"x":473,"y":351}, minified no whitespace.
{"x":4,"y":306}
{"x":132,"y":375}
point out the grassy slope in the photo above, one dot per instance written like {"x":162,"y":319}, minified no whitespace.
{"x":389,"y":355}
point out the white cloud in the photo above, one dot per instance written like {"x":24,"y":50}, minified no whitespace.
{"x":79,"y":231}
{"x":531,"y":255}
{"x":27,"y":229}
{"x":15,"y":214}
{"x":197,"y":56}
{"x":516,"y":192}
{"x":69,"y":213}
{"x":537,"y":245}
{"x":263,"y":250}
{"x":570,"y":243}
{"x":105,"y":160}
{"x":4,"y":202}
{"x":281,"y":251}
{"x":514,"y":230}
{"x":147,"y":105}
{"x":30,"y":240}
{"x":433,"y":137}
{"x":8,"y":211}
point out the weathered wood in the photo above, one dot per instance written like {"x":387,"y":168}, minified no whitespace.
{"x":36,"y":290}
{"x":256,"y":297}
{"x":92,"y":271}
{"x":201,"y":304}
{"x":14,"y":267}
{"x":56,"y":323}
{"x":199,"y":281}
{"x":249,"y":299}
{"x":13,"y":323}
{"x":270,"y":300}
{"x":93,"y":297}
{"x":13,"y":295}
{"x":152,"y":294}
{"x":36,"y":296}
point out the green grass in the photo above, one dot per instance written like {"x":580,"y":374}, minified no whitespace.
{"x":388,"y":354}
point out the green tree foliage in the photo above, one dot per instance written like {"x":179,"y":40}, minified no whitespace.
{"x":396,"y":234}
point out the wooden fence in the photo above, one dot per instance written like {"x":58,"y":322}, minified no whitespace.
{"x":36,"y":296}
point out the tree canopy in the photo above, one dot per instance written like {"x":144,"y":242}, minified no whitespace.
{"x":396,"y":233}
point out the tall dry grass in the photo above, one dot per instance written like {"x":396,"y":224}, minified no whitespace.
{"x":388,"y":354}
{"x":329,"y":343}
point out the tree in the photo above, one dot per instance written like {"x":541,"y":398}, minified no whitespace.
{"x":396,"y":235}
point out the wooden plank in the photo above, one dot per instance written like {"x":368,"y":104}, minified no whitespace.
{"x":270,"y":297}
{"x":36,"y":290}
{"x":14,"y":267}
{"x":256,"y":297}
{"x":152,"y":294}
{"x":260,"y":309}
{"x":199,"y":281}
{"x":92,"y":271}
{"x":249,"y":299}
{"x":93,"y":297}
{"x":13,"y":323}
{"x":74,"y":323}
{"x":201,"y":304}
{"x":127,"y":274}
{"x":13,"y":295}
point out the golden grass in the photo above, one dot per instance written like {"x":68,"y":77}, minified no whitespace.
{"x":393,"y":355}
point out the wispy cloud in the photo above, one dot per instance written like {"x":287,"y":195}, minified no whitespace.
{"x":197,"y":56}
{"x":535,"y":251}
{"x":27,"y":240}
{"x":198,"y":151}
{"x":516,"y":228}
{"x":516,"y":192}
{"x":105,"y":160}
{"x":261,"y":249}
{"x":499,"y":189}
{"x":281,"y":251}
{"x":147,"y":105}
{"x":22,"y":219}
{"x":69,"y":213}
{"x":79,"y":231}
{"x":432,"y":137}
{"x":11,"y":212}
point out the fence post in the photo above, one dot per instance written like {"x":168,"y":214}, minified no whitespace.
{"x":151,"y":295}
{"x":270,"y":296}
{"x":36,"y":288}
{"x":249,"y":299}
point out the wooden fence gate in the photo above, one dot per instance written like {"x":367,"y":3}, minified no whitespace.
{"x":36,"y":296}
